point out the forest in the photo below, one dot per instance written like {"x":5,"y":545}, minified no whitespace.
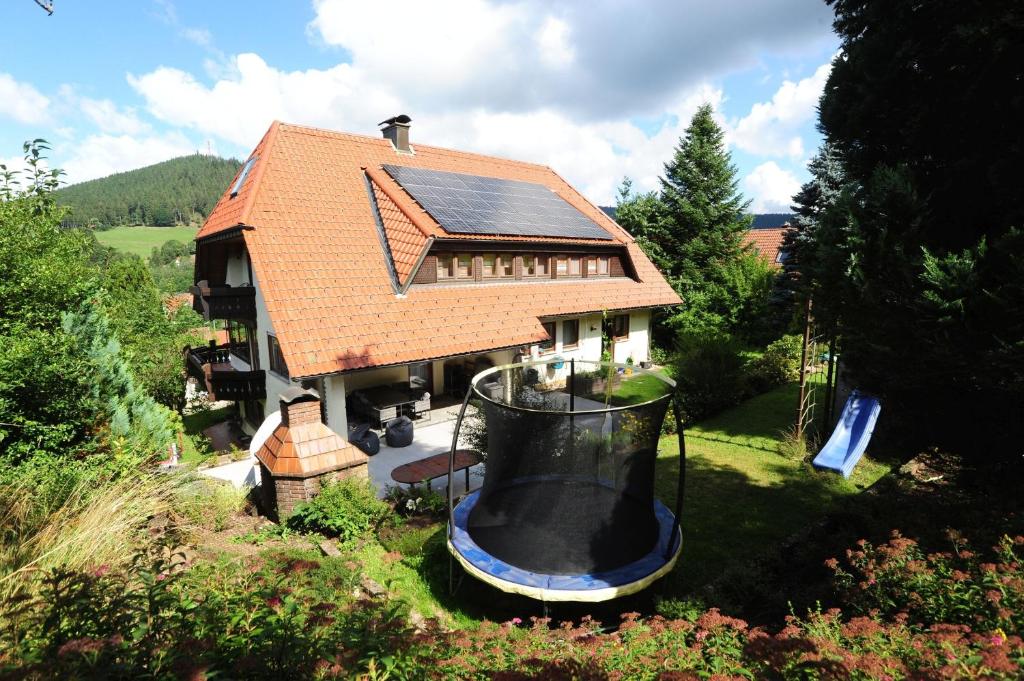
{"x":180,"y":191}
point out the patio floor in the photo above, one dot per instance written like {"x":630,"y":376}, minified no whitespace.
{"x":430,"y":438}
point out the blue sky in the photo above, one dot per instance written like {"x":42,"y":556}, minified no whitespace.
{"x":597,"y":90}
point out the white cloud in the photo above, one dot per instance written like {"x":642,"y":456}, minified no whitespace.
{"x":773,"y":128}
{"x":102,"y":154}
{"x":106,"y":116}
{"x":554,"y":44}
{"x":556,"y":83}
{"x":22,"y":102}
{"x":770,"y":188}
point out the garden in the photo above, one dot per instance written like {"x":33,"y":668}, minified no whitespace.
{"x":904,"y":257}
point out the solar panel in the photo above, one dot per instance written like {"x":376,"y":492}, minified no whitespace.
{"x":471,"y":204}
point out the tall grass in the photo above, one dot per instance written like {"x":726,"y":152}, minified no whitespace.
{"x":94,"y":522}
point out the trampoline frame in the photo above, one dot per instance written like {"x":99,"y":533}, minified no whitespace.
{"x":546,"y":593}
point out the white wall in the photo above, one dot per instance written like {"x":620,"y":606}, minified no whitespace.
{"x":337,"y":419}
{"x":638,"y":345}
{"x":237,"y":269}
{"x":276,"y":384}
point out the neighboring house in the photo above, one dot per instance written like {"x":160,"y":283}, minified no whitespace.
{"x":344,"y":262}
{"x":767,"y":236}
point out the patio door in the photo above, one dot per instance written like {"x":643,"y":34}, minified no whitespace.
{"x":422,"y":376}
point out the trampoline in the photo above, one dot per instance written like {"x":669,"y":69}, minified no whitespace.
{"x":567,"y":509}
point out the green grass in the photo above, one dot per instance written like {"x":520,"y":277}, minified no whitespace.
{"x":742,"y":496}
{"x":142,"y":240}
{"x":637,"y":389}
{"x":742,"y":499}
{"x":195,"y":423}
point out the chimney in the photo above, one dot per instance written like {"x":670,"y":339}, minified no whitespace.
{"x":396,"y":129}
{"x":299,"y":407}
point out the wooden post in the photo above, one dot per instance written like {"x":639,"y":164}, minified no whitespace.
{"x":829,"y":388}
{"x":803,"y":370}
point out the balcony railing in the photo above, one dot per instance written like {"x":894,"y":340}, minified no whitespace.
{"x":211,"y":366}
{"x":225,"y":302}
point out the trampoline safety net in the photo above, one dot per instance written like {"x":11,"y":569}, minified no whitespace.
{"x":569,"y":480}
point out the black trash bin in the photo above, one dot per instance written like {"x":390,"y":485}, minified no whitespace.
{"x":399,"y":432}
{"x":365,"y":439}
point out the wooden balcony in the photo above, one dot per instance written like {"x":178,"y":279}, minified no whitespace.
{"x":224,"y":302}
{"x":211,"y":366}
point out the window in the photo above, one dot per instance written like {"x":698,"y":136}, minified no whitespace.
{"x":543,"y":266}
{"x":549,"y":344}
{"x":562,"y":266}
{"x":242,"y":175}
{"x":465,"y":266}
{"x":570,"y":333}
{"x":602,"y":264}
{"x":490,"y":262}
{"x":277,"y":364}
{"x":575,"y":268}
{"x":445,"y":267}
{"x":618,"y":326}
{"x":529,"y":265}
{"x":782,"y":256}
{"x":591,"y":266}
{"x":506,"y":265}
{"x":238,"y":336}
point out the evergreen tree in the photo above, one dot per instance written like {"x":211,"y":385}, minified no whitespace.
{"x":704,"y":215}
{"x":698,"y":235}
{"x":924,"y":103}
{"x":819,"y":244}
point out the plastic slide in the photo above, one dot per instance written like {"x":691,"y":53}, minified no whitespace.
{"x":850,"y":438}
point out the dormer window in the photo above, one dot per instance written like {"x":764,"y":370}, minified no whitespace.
{"x":445,"y":267}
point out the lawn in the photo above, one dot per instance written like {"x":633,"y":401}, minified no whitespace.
{"x":742,"y":496}
{"x":742,"y":499}
{"x":194,"y":424}
{"x":142,"y":240}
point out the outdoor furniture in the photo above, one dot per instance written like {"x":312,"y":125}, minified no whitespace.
{"x":425,"y":470}
{"x":365,"y":439}
{"x":399,"y":432}
{"x":380,"y":404}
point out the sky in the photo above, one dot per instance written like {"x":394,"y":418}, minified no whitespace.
{"x":597,"y":90}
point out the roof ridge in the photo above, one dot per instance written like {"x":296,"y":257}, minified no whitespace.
{"x":312,"y":129}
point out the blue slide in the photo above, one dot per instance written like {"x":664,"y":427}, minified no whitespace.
{"x":850,"y":438}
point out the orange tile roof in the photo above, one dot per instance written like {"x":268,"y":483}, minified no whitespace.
{"x":405,"y":240}
{"x":318,"y":258}
{"x":766,"y":243}
{"x":306,"y":450}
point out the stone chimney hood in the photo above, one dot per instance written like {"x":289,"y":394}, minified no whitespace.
{"x":396,"y":129}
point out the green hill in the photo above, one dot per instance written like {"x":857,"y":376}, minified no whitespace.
{"x":178,"y":191}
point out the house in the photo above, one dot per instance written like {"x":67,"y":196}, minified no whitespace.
{"x":343,"y":263}
{"x":766,"y":236}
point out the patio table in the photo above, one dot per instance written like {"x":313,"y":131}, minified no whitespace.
{"x":426,"y":469}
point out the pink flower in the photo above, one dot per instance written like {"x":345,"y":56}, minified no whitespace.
{"x":161,"y":577}
{"x":516,"y":620}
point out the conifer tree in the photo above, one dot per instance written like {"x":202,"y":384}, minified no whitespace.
{"x":699,"y":230}
{"x":704,"y":213}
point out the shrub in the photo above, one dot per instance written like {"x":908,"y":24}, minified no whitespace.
{"x":779,"y":364}
{"x":954,"y":587}
{"x":346,"y":509}
{"x":709,"y":376}
{"x":211,"y":503}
